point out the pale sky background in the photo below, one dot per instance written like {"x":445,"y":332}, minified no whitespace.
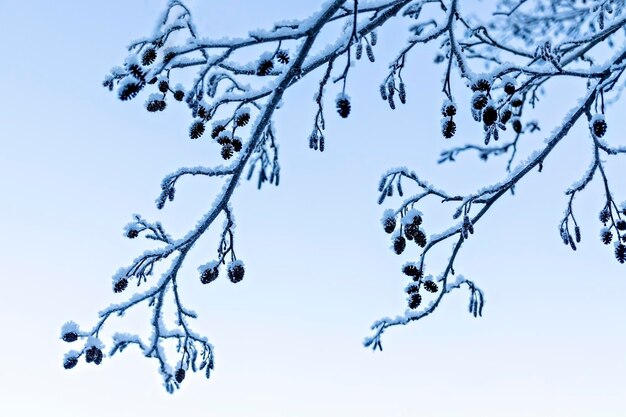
{"x":76,"y":163}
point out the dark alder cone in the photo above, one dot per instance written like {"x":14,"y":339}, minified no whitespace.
{"x":417,"y":220}
{"x":196,"y":130}
{"x":389,"y":224}
{"x":242,"y":119}
{"x":156,"y":105}
{"x":599,"y":128}
{"x":164,"y":86}
{"x":217,"y":130}
{"x":282,"y":57}
{"x":420,"y":238}
{"x":132,"y":233}
{"x":481,"y":85}
{"x":223,"y":140}
{"x":343,"y":107}
{"x":620,"y":253}
{"x":449,"y":110}
{"x":517,"y":125}
{"x":448,"y":129}
{"x":605,"y":215}
{"x":202,"y":112}
{"x":136,"y":71}
{"x":621,"y":225}
{"x":505,"y":116}
{"x":431,"y":286}
{"x":413,"y":288}
{"x":479,"y":101}
{"x":399,"y":243}
{"x":509,"y":88}
{"x":93,"y":354}
{"x":70,"y":337}
{"x":129,"y":90}
{"x":98,"y":359}
{"x":180,"y":375}
{"x":490,"y":115}
{"x":148,"y":57}
{"x":209,"y":275}
{"x":69,"y":363}
{"x":227,"y":151}
{"x":607,"y":237}
{"x":179,"y":95}
{"x":414,"y":301}
{"x":236,"y":145}
{"x":236,"y":273}
{"x":120,"y":285}
{"x":516,"y":102}
{"x":411,"y":270}
{"x":410,"y":230}
{"x":265,"y":67}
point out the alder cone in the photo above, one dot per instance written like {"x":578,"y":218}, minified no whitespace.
{"x":399,"y":244}
{"x":415,"y":300}
{"x":120,"y":285}
{"x":599,"y":127}
{"x":236,"y":273}
{"x":389,"y":224}
{"x":265,"y":67}
{"x":196,"y":130}
{"x":343,"y":107}
{"x":448,"y":129}
{"x":70,"y":337}
{"x":69,"y":363}
{"x":490,"y":115}
{"x":148,"y":56}
{"x":180,"y":375}
{"x":431,"y":286}
{"x":209,"y":275}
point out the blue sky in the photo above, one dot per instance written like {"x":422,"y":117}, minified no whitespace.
{"x":76,"y":163}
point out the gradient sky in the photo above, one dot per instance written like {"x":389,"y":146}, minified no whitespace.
{"x":76,"y":163}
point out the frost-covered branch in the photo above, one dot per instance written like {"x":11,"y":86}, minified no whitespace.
{"x":499,"y":99}
{"x":520,"y":47}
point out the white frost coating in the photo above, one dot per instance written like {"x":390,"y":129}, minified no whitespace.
{"x":586,"y":177}
{"x":341,"y":96}
{"x":126,"y":81}
{"x":117,"y":71}
{"x":154,"y":97}
{"x":456,"y":283}
{"x":449,"y":231}
{"x":72,"y":354}
{"x":410,"y":264}
{"x":387,"y":214}
{"x":446,"y":103}
{"x":234,"y":264}
{"x":126,"y":337}
{"x":619,"y":149}
{"x":69,"y":327}
{"x":410,"y":216}
{"x":242,"y":110}
{"x":208,"y":265}
{"x":94,"y":341}
{"x":131,"y":60}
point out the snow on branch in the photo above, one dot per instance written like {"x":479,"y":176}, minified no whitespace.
{"x":520,"y":47}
